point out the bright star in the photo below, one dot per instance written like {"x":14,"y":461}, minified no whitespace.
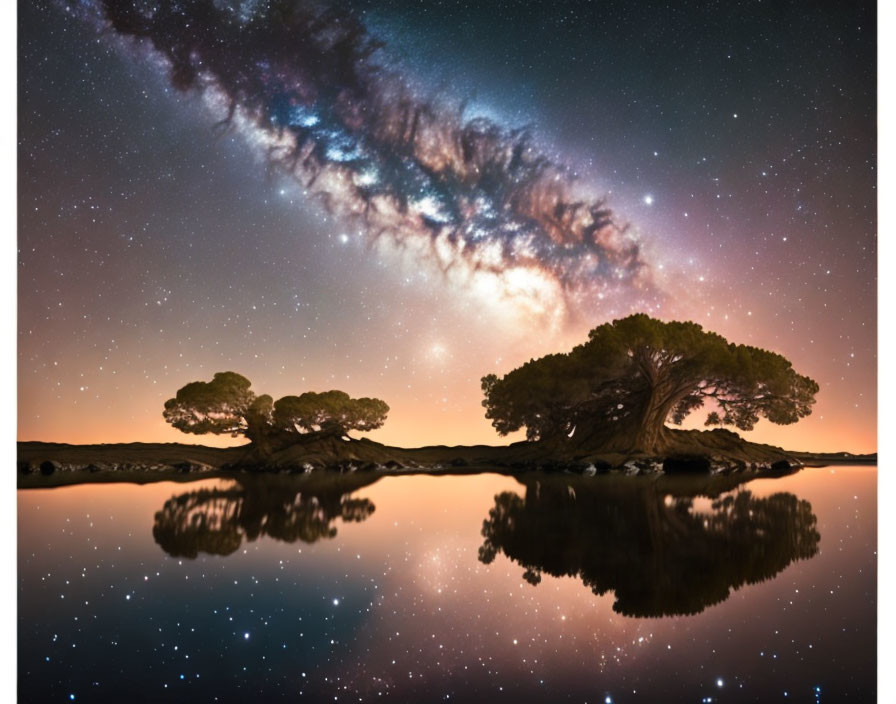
{"x":648,"y":199}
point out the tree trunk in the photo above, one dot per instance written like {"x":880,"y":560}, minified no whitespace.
{"x":644,"y":431}
{"x":649,"y":431}
{"x":648,"y":437}
{"x":267,"y":440}
{"x":262,"y":444}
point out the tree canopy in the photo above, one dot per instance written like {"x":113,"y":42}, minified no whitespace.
{"x":332,"y":411}
{"x":227,"y":405}
{"x":632,"y":375}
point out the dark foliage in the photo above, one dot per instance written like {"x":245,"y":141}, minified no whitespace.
{"x":632,"y":375}
{"x":226,"y":405}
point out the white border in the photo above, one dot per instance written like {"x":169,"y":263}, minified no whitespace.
{"x":886,"y":119}
{"x":8,"y":516}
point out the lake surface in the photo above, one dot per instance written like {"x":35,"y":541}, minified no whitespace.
{"x":456,"y":588}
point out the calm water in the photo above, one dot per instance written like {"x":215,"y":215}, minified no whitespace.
{"x":476,"y":588}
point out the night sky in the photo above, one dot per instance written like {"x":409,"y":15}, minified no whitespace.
{"x":734,"y":143}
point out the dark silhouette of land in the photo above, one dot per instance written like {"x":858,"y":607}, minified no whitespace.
{"x":55,"y":464}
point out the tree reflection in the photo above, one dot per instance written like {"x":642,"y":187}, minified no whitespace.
{"x":661,"y":553}
{"x":216,"y":521}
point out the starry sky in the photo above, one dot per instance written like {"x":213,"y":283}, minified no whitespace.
{"x":712,"y":162}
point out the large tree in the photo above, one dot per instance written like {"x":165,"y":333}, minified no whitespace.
{"x":227,"y":406}
{"x":618,"y":389}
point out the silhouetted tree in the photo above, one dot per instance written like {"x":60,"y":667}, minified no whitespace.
{"x":657,"y":552}
{"x":226,"y":405}
{"x":619,"y":388}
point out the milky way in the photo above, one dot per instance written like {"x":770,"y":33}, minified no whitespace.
{"x":479,"y":200}
{"x":305,"y":198}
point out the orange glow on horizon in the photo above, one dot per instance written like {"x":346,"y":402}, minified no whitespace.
{"x":416,"y":427}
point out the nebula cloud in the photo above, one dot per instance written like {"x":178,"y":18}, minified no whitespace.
{"x":478,"y":199}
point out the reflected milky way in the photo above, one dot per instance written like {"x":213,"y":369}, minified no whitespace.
{"x":399,"y":607}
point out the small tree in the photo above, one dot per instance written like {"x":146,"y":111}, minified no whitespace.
{"x":227,"y":406}
{"x":619,"y":388}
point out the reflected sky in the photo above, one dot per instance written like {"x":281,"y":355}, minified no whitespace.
{"x":399,"y":606}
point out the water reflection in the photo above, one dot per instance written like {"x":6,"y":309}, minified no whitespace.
{"x":662,"y":546}
{"x":216,"y":521}
{"x":662,"y":551}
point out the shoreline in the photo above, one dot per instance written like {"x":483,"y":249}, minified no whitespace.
{"x":41,"y":464}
